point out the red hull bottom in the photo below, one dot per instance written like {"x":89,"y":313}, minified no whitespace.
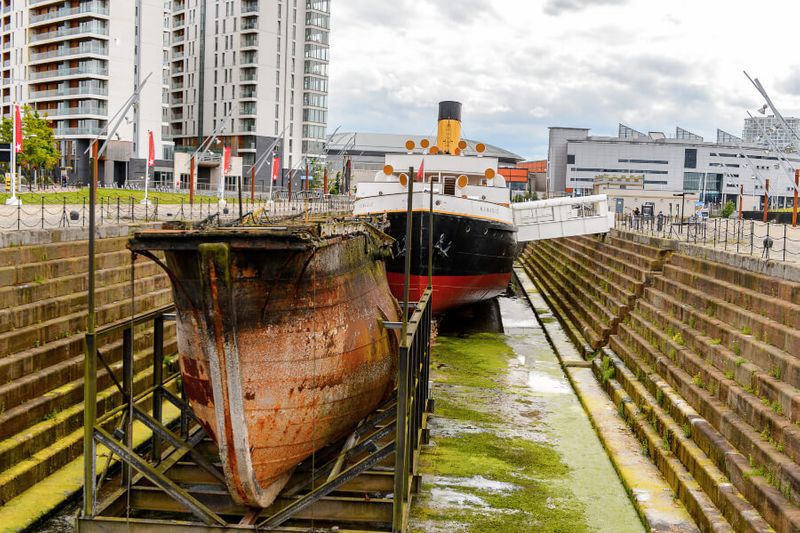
{"x":451,"y":291}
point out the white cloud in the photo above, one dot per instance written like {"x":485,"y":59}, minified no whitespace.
{"x":517,"y":71}
{"x":558,"y":7}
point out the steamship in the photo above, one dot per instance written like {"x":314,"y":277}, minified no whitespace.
{"x":474,"y":237}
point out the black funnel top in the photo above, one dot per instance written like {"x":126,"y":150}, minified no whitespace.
{"x":449,"y":110}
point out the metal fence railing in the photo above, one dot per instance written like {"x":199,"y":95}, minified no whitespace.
{"x":73,"y":211}
{"x":768,"y":240}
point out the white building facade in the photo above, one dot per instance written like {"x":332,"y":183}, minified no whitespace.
{"x":78,"y":62}
{"x":767,"y":131}
{"x":717,"y":172}
{"x":253,"y":72}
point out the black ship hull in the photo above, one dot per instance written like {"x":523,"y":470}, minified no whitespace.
{"x":472,"y":257}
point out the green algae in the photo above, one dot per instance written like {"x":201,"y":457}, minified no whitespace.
{"x":448,"y":406}
{"x":477,"y":360}
{"x":470,"y":375}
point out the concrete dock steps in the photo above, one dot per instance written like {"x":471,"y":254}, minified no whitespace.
{"x":57,"y":440}
{"x":669,"y":430}
{"x":591,"y":326}
{"x":56,"y":268}
{"x":27,"y":293}
{"x":42,"y":327}
{"x":599,"y":288}
{"x":702,"y":363}
{"x":34,"y":385}
{"x":761,"y":304}
{"x":21,"y":255}
{"x":20,"y":316}
{"x":60,"y":327}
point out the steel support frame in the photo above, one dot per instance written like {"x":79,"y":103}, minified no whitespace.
{"x":95,"y":433}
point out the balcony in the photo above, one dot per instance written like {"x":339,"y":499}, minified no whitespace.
{"x":6,"y":27}
{"x":250,"y":7}
{"x":178,"y":38}
{"x":176,"y":86}
{"x":80,"y":131}
{"x":178,"y":5}
{"x":248,"y":95}
{"x":69,"y":91}
{"x":95,"y":28}
{"x":248,"y":108}
{"x":75,"y":71}
{"x":248,"y":75}
{"x":95,"y":8}
{"x":92,"y":48}
{"x":249,"y":41}
{"x":66,"y":111}
{"x":249,"y":58}
{"x":249,"y":24}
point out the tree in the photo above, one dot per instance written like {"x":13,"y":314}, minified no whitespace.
{"x":39,"y":150}
{"x":727,"y":211}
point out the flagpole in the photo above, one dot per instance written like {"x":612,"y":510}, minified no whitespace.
{"x":146,"y":174}
{"x":150,"y":157}
{"x":13,"y":200}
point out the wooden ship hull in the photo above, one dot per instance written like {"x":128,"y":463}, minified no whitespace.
{"x":280,"y":336}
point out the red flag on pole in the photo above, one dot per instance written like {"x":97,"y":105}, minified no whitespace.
{"x":17,"y":129}
{"x":276,"y":165}
{"x":151,"y":154}
{"x":226,"y":165}
{"x":421,"y":170}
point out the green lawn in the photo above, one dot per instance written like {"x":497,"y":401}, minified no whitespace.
{"x":111,"y":196}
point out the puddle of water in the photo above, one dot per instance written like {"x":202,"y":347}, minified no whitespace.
{"x":476,"y":482}
{"x":451,"y":498}
{"x":539,"y":382}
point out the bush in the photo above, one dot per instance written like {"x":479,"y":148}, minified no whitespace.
{"x":727,"y":211}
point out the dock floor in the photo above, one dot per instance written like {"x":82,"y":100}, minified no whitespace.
{"x":513,"y":449}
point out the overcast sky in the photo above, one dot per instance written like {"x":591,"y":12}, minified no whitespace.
{"x":520,"y":66}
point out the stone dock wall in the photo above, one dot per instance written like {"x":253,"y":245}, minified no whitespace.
{"x":699,"y":351}
{"x":43,"y":304}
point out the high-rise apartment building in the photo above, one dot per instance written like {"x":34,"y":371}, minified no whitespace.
{"x":253,"y":71}
{"x":78,"y":62}
{"x":768,"y":132}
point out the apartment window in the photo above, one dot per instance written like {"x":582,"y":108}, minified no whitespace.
{"x":277,"y":77}
{"x":570,"y":159}
{"x":692,"y":181}
{"x":690,"y":158}
{"x":277,"y":111}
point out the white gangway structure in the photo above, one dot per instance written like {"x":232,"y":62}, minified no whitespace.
{"x":562,"y":217}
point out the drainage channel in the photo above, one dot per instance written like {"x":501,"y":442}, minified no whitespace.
{"x":512,"y":447}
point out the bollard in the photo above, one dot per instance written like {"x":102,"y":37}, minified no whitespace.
{"x":752,"y":226}
{"x":726,"y":234}
{"x":42,"y":212}
{"x":118,"y":210}
{"x":714,"y":240}
{"x":83,"y":212}
{"x":784,"y":242}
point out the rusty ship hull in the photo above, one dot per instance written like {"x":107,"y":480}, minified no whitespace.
{"x":281,"y":341}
